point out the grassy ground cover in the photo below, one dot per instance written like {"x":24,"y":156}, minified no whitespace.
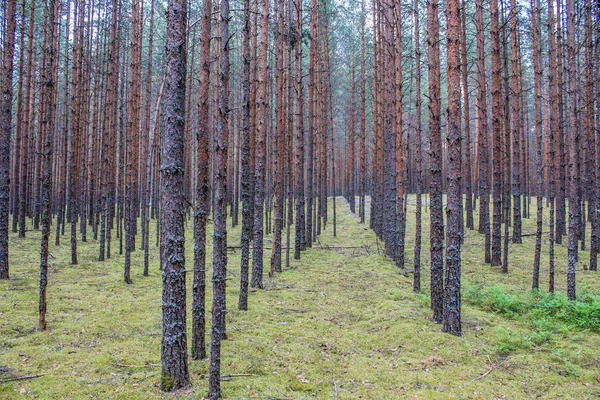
{"x":340,"y":323}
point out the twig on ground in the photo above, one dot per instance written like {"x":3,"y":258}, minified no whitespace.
{"x":20,"y":378}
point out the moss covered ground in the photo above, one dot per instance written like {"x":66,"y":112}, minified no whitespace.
{"x":341,"y":323}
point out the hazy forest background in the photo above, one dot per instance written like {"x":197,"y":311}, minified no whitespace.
{"x":296,"y":199}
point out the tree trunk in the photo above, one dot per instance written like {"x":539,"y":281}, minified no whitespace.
{"x":174,"y":371}
{"x":435,"y":186}
{"x":8,"y":48}
{"x":261,"y":135}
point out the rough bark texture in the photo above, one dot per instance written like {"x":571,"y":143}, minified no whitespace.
{"x":537,"y":89}
{"x":516,"y":122}
{"x":48,"y":96}
{"x":261,"y":134}
{"x":202,"y":191}
{"x":496,"y":134}
{"x":552,"y":125}
{"x":435,"y":151}
{"x":219,"y":278}
{"x":468,"y":179}
{"x":279,"y":147}
{"x":400,"y":214}
{"x":5,"y":131}
{"x":174,"y":372}
{"x":132,"y":136}
{"x":300,"y":241}
{"x":419,"y":139}
{"x":363,"y":109}
{"x":451,"y":317}
{"x":482,"y":128}
{"x":247,"y":176}
{"x":389,"y":131}
{"x":574,"y":178}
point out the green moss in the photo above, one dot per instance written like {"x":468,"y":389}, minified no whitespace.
{"x":337,"y":315}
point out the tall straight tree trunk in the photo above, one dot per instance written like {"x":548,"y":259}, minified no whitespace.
{"x":279,"y":147}
{"x":14,"y":198}
{"x":261,"y":135}
{"x":468,"y":181}
{"x":591,"y":137}
{"x":451,"y":317}
{"x":435,"y":151}
{"x":400,"y":215}
{"x":74,"y":131}
{"x":419,"y":139}
{"x":48,"y":96}
{"x":174,"y":364}
{"x":314,"y":10}
{"x":562,"y":140}
{"x":483,"y":138}
{"x":389,"y":131}
{"x":497,"y":133}
{"x":300,"y":240}
{"x":539,"y":135}
{"x":363,"y":110}
{"x":132,"y":136}
{"x":552,"y":125}
{"x":516,"y":121}
{"x":219,"y":278}
{"x":574,"y":178}
{"x":26,"y":121}
{"x":8,"y":48}
{"x":247,"y":200}
{"x":202,"y":191}
{"x":152,"y":138}
{"x":351,"y":141}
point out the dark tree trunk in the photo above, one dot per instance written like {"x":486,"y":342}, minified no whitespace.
{"x":5,"y":130}
{"x":279,"y":146}
{"x":363,"y":109}
{"x":219,"y":278}
{"x":516,"y":120}
{"x":451,"y":317}
{"x":174,"y":371}
{"x":261,"y":135}
{"x":400,"y":214}
{"x":435,"y":186}
{"x":202,"y":191}
{"x":497,"y":134}
{"x":483,"y":136}
{"x":419,"y":139}
{"x":300,"y":240}
{"x":247,"y":200}
{"x":468,"y":181}
{"x":48,"y":96}
{"x":539,"y":135}
{"x":553,"y":125}
{"x":132,"y":136}
{"x":574,"y":178}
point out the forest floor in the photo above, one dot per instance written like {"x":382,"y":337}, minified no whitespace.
{"x":340,"y":323}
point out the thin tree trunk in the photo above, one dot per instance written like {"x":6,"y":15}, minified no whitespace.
{"x":6,"y":127}
{"x":435,"y":186}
